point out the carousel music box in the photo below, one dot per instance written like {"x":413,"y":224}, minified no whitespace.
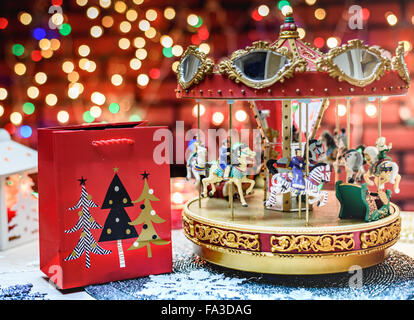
{"x":293,"y":225}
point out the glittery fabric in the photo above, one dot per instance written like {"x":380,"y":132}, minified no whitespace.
{"x":20,"y":292}
{"x":195,"y":279}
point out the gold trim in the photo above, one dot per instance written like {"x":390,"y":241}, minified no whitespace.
{"x":317,"y":243}
{"x":226,"y":67}
{"x":398,"y":63}
{"x":290,"y":264}
{"x":327,"y":64}
{"x":227,"y":238}
{"x":205,"y":68}
{"x":381,"y":236}
{"x":187,"y":213}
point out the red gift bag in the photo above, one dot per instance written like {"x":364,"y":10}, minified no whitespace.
{"x":104,"y":204}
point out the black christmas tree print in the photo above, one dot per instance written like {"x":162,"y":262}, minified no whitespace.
{"x":117,"y":223}
{"x":147,"y":217}
{"x":86,"y":243}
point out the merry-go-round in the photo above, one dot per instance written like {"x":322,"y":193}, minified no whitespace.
{"x":291,"y":224}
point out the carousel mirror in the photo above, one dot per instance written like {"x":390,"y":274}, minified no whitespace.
{"x":359,"y":64}
{"x":355,"y":63}
{"x":398,"y":63}
{"x":189,"y":67}
{"x":193,"y":67}
{"x":261,"y":65}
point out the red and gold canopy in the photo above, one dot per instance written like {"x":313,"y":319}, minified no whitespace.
{"x":354,"y":69}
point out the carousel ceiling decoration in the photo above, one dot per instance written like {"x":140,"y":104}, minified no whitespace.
{"x":291,"y":68}
{"x":193,"y":67}
{"x":354,"y":62}
{"x":398,"y":63}
{"x":261,"y":65}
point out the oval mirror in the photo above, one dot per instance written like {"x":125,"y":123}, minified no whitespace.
{"x":358,"y":63}
{"x":261,"y":65}
{"x":189,"y":67}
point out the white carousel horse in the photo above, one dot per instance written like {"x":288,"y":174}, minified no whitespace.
{"x":338,"y":156}
{"x":383,"y":170}
{"x":196,"y":163}
{"x":241,"y":156}
{"x":315,"y":150}
{"x":282,"y":183}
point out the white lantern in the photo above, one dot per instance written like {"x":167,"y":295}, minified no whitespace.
{"x":18,"y":202}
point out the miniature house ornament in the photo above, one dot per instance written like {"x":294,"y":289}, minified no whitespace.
{"x":18,"y":201}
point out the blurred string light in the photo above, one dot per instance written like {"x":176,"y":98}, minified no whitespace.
{"x":341,"y":110}
{"x":114,"y":107}
{"x":98,"y":98}
{"x":81,"y":2}
{"x":105,"y":3}
{"x":124,"y":43}
{"x":3,"y":23}
{"x":143,"y":80}
{"x":107,"y":21}
{"x":370,"y":110}
{"x":95,"y":111}
{"x":67,"y":66}
{"x":28,"y":108}
{"x":1,"y":110}
{"x":51,"y":99}
{"x":131,"y":15}
{"x":96,"y":31}
{"x":177,"y":50}
{"x":166,"y":41}
{"x":120,"y":6}
{"x":144,"y":25}
{"x":391,"y":18}
{"x":263,"y":10}
{"x":301,"y":32}
{"x":125,"y":26}
{"x":25,"y":18}
{"x":25,"y":131}
{"x":116,"y":79}
{"x":139,"y":42}
{"x":84,"y":50}
{"x":332,"y":42}
{"x":169,"y":13}
{"x":319,"y":42}
{"x":40,"y":77}
{"x":141,"y":54}
{"x":19,"y":68}
{"x":87,"y":117}
{"x":407,"y":45}
{"x":151,"y":33}
{"x":65,"y":29}
{"x":151,"y":15}
{"x":73,"y":76}
{"x":204,"y":47}
{"x":33,"y":92}
{"x":17,"y":49}
{"x":320,"y":14}
{"x":3,"y":93}
{"x":202,"y":110}
{"x":217,"y":118}
{"x":135,"y":64}
{"x":241,"y":115}
{"x":310,"y":2}
{"x":63,"y":116}
{"x":16,"y":118}
{"x":174,"y":66}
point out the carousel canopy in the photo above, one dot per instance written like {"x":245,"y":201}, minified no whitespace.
{"x":292,"y":69}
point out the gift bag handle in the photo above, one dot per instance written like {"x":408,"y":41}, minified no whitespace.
{"x":108,"y":142}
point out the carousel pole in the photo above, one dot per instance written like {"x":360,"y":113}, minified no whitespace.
{"x":286,"y":144}
{"x":198,"y":142}
{"x":307,"y":160}
{"x":348,"y":122}
{"x":337,"y":130}
{"x":379,"y":117}
{"x":300,"y":146}
{"x":231,"y":204}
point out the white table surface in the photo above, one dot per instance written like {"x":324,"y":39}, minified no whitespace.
{"x":20,"y":265}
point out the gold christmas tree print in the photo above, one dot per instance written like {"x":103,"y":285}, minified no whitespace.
{"x":147,"y":217}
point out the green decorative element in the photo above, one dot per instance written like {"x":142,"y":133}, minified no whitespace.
{"x":358,"y":203}
{"x":283,"y":3}
{"x":135,"y":117}
{"x":65,"y":29}
{"x":199,"y":23}
{"x":114,"y":107}
{"x":28,"y":108}
{"x":167,"y":52}
{"x":289,"y":20}
{"x":17,"y":49}
{"x":87,"y":117}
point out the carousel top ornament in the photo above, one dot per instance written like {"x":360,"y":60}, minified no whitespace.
{"x":285,"y":69}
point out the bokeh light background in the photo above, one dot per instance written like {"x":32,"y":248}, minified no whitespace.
{"x":66,"y":62}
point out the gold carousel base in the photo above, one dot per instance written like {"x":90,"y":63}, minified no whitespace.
{"x":265,"y":241}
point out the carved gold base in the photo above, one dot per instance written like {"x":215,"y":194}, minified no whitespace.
{"x":265,"y":241}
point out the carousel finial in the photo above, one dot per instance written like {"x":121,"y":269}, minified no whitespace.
{"x":289,"y":28}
